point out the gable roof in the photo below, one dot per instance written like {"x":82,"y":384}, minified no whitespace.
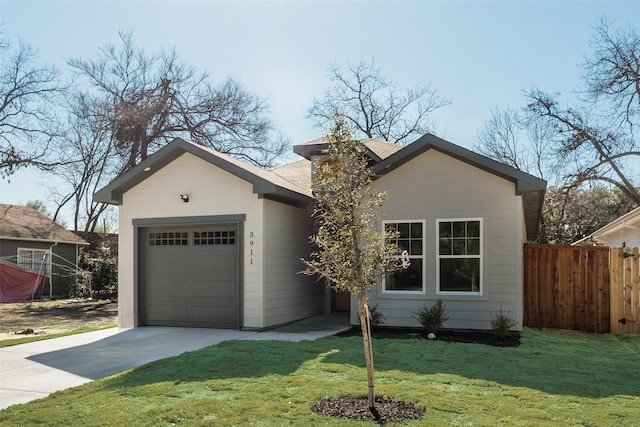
{"x":291,"y":183}
{"x":376,"y":149}
{"x":25,"y":223}
{"x":531,"y":188}
{"x":266,"y":183}
{"x":630,"y":220}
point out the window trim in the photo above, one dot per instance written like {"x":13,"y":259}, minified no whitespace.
{"x":423,"y":257}
{"x":480,"y":256}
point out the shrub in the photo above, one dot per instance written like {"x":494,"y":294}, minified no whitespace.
{"x":501,"y":323}
{"x":103,"y":280}
{"x":377,"y":319}
{"x":431,"y":318}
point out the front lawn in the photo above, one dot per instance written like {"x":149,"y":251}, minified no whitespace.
{"x":553,"y":378}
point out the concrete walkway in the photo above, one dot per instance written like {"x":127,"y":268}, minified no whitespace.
{"x":34,"y":370}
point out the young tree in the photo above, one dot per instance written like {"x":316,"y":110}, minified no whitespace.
{"x":352,"y":252}
{"x":374,"y":106}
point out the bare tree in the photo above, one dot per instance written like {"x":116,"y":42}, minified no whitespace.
{"x":509,"y":139}
{"x":94,"y":161}
{"x":588,"y":150}
{"x":374,"y":106}
{"x":146,"y":100}
{"x":28,"y":95}
{"x":126,"y":104}
{"x":597,"y":137}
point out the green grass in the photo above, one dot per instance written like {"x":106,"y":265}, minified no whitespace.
{"x":33,"y":338}
{"x":553,"y":378}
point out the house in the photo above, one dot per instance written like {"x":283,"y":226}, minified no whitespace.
{"x":34,"y":242}
{"x":208,"y":240}
{"x":621,"y":232}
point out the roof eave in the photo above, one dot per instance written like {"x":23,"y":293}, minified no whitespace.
{"x":616,"y":225}
{"x":270,"y":191}
{"x":28,"y":239}
{"x":309,"y":150}
{"x":113,"y":192}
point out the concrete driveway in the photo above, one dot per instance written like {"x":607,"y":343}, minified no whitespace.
{"x":32,"y":371}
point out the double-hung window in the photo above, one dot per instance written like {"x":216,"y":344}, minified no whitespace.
{"x":459,"y":256}
{"x":411,"y":238}
{"x":36,"y":260}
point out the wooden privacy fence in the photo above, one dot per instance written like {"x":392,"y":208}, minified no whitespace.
{"x":585,"y":288}
{"x":625,"y":290}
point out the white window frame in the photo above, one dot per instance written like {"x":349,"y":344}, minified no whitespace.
{"x":480,"y":256}
{"x":33,"y":260}
{"x":423,"y":257}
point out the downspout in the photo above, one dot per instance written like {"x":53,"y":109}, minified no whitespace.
{"x":51,"y":269}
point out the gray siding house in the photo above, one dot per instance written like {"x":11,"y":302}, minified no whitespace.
{"x":27,"y":238}
{"x":208,"y":240}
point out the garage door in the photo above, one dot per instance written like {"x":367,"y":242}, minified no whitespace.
{"x":190,"y":276}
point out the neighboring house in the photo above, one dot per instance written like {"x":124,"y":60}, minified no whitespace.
{"x":208,"y":240}
{"x":34,"y":242}
{"x":621,"y":232}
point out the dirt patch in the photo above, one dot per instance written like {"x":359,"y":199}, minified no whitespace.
{"x":357,"y":408}
{"x":23,"y":319}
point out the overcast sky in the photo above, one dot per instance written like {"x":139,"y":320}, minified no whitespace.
{"x":479,"y":54}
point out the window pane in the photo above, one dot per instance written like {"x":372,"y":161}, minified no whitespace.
{"x":416,"y":247}
{"x":473,"y":229}
{"x":403,"y":229}
{"x":403,"y":244}
{"x":459,"y":247}
{"x":473,"y":246}
{"x":416,"y":230}
{"x":445,"y":246}
{"x":409,"y":279}
{"x":459,"y":229}
{"x":444,"y":229}
{"x":460,"y":274}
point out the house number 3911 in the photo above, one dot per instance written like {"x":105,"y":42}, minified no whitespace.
{"x":251,"y":247}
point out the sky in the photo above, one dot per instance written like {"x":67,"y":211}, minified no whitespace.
{"x":480,"y":55}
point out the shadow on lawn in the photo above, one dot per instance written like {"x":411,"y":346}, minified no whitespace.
{"x":555,"y":363}
{"x":552,"y":362}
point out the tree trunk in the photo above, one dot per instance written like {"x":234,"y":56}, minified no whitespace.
{"x":365,"y":326}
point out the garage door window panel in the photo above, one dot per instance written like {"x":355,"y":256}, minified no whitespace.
{"x":214,"y":237}
{"x":169,"y":238}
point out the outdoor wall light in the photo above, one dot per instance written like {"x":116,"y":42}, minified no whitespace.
{"x":185,"y":198}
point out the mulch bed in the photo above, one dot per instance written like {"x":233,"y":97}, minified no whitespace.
{"x":357,"y":408}
{"x":475,"y":337}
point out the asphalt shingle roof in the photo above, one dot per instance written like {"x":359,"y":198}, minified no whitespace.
{"x":25,"y":223}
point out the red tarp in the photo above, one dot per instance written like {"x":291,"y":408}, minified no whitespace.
{"x":17,"y":284}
